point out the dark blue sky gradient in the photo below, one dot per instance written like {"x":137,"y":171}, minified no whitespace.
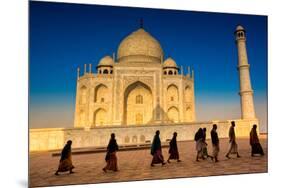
{"x":65,"y":36}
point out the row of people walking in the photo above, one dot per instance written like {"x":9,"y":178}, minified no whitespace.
{"x":65,"y":163}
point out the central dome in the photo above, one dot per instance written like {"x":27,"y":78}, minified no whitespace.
{"x":139,"y":46}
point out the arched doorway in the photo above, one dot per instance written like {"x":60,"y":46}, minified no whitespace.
{"x":138,"y":104}
{"x":172,"y":94}
{"x":100,"y":118}
{"x":83,"y":95}
{"x":101,"y":93}
{"x":173,"y":114}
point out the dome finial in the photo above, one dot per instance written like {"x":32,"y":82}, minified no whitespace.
{"x":141,"y":23}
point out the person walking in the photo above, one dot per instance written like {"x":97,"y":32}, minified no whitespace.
{"x":233,"y":147}
{"x":205,"y":145}
{"x":199,"y":144}
{"x":156,"y":150}
{"x":111,"y":158}
{"x":215,"y":142}
{"x":65,"y":163}
{"x":173,"y":150}
{"x":255,"y":142}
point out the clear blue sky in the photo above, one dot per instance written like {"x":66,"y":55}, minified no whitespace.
{"x":65,"y":36}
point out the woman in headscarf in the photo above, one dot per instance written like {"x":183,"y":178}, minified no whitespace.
{"x":111,"y":158}
{"x":156,"y":150}
{"x":65,"y":160}
{"x":173,"y":150}
{"x":254,"y":142}
{"x":199,"y":144}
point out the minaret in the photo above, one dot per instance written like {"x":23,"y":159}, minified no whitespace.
{"x":90,"y":68}
{"x":78,"y":73}
{"x":188,"y":71}
{"x":246,"y":92}
{"x":85,"y":69}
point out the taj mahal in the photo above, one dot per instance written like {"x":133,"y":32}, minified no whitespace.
{"x":136,"y":92}
{"x":138,"y":87}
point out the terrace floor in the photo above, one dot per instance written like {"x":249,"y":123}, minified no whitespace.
{"x":135,"y":165}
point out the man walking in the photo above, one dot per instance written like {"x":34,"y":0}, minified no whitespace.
{"x":233,"y":147}
{"x":215,"y":142}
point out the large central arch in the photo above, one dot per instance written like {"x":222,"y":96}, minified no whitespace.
{"x":138,"y":104}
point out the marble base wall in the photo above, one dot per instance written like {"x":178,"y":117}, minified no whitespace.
{"x":55,"y":138}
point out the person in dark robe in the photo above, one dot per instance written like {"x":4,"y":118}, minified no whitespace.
{"x":205,"y":149}
{"x":111,"y":158}
{"x":65,"y":159}
{"x":233,"y":147}
{"x":173,"y":150}
{"x":199,"y":144}
{"x":156,"y":150}
{"x":254,"y":142}
{"x":215,"y":142}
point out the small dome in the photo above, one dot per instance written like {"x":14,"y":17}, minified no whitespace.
{"x":170,"y":63}
{"x":106,"y":61}
{"x":139,"y":45}
{"x":239,"y":28}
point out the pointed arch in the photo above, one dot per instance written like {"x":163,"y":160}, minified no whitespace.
{"x":100,"y":117}
{"x":83,"y":95}
{"x":101,"y":93}
{"x":173,"y":114}
{"x":137,"y":109}
{"x":172,"y":93}
{"x":188,"y":93}
{"x":172,"y":85}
